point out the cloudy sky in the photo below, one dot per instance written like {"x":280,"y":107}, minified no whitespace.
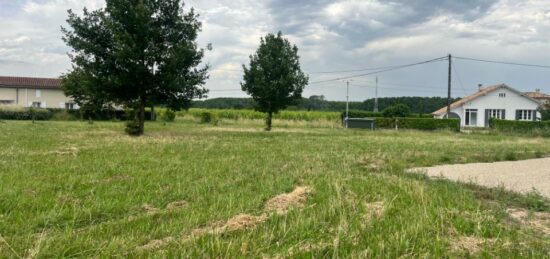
{"x":337,"y":35}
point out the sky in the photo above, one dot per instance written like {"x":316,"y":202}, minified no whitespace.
{"x":337,"y":35}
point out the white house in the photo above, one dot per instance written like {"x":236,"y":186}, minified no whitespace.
{"x":498,"y":101}
{"x":34,"y":92}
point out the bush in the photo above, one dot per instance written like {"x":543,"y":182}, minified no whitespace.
{"x":132,"y":128}
{"x":398,"y":110}
{"x":418,"y":123}
{"x":209,"y":117}
{"x":18,"y":113}
{"x":168,"y":115}
{"x":526,"y":127}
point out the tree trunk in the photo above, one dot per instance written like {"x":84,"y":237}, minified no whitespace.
{"x":268,"y":121}
{"x":141,"y":116}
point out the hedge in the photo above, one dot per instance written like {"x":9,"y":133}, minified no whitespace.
{"x":24,"y":114}
{"x":519,"y":126}
{"x":418,"y":123}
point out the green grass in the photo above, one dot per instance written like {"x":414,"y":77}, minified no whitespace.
{"x":77,"y":184}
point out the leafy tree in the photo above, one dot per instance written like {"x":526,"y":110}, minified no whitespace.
{"x":398,"y":110}
{"x":274,"y":79}
{"x":135,"y":53}
{"x":544,"y":110}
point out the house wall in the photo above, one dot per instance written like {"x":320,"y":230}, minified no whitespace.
{"x":8,"y":94}
{"x":49,"y":98}
{"x":510,"y":104}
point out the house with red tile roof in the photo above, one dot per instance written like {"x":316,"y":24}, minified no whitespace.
{"x":34,"y":92}
{"x":497,"y":101}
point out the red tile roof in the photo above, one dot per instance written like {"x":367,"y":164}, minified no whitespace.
{"x":538,"y":95}
{"x":30,"y":82}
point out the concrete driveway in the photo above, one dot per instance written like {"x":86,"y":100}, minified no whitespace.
{"x":520,"y":176}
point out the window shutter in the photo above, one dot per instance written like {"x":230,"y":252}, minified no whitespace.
{"x":43,"y":105}
{"x":503,"y":114}
{"x":62,"y":105}
{"x":487,"y":114}
{"x":517,"y":114}
{"x":534,"y":115}
{"x":30,"y":104}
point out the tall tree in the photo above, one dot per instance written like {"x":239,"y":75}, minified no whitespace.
{"x":135,"y":53}
{"x":274,"y":79}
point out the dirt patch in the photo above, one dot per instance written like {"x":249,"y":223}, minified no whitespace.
{"x":156,"y":244}
{"x":539,"y":221}
{"x":176,"y":205}
{"x":470,"y":244}
{"x":375,"y":209}
{"x":149,"y":209}
{"x":372,"y":163}
{"x":72,"y":151}
{"x":282,"y":203}
{"x":116,"y":178}
{"x":33,"y":252}
{"x":241,"y":222}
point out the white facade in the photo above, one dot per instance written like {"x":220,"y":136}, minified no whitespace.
{"x":502,"y":103}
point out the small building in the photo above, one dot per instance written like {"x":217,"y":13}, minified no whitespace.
{"x":34,"y":92}
{"x":538,"y":95}
{"x":498,"y":101}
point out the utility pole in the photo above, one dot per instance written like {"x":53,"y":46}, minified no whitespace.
{"x":449,"y":88}
{"x":347,"y":103}
{"x":376,"y":96}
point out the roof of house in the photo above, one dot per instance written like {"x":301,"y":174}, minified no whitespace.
{"x":482,"y":92}
{"x":538,"y":95}
{"x":30,"y":82}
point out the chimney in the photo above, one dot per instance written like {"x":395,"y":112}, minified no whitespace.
{"x":479,"y":86}
{"x":537,"y":90}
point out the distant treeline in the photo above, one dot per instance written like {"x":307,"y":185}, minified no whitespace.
{"x":318,"y":103}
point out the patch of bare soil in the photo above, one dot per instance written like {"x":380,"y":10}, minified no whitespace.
{"x":372,"y":163}
{"x":73,"y":151}
{"x":282,"y":203}
{"x":116,"y":178}
{"x":149,"y":209}
{"x":470,"y":244}
{"x":279,"y":204}
{"x":539,"y":221}
{"x":33,"y":252}
{"x":176,"y":205}
{"x":241,"y":222}
{"x":156,"y":244}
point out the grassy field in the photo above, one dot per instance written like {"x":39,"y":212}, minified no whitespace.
{"x":73,"y":189}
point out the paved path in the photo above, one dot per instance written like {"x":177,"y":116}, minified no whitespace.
{"x":519,"y":176}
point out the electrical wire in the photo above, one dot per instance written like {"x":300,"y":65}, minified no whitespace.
{"x":381,"y":71}
{"x":502,"y":62}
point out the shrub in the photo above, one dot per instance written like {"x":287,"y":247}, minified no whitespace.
{"x":132,"y":128}
{"x":398,"y":110}
{"x":523,"y":127}
{"x":18,"y":113}
{"x":209,"y":117}
{"x":418,"y":123}
{"x":168,"y":115}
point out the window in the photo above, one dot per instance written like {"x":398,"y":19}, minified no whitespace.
{"x":38,"y":93}
{"x":4,"y":102}
{"x":498,"y":114}
{"x":70,"y":106}
{"x":36,"y":104}
{"x":502,"y":95}
{"x":525,"y":115}
{"x":471,"y":117}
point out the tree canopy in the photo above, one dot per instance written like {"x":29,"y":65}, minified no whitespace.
{"x":135,"y":53}
{"x":274,"y":78}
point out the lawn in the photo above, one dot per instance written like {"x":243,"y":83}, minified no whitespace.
{"x":74,"y":189}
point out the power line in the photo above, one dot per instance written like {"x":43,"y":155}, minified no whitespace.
{"x":381,"y":71}
{"x":502,"y":62}
{"x":349,"y":71}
